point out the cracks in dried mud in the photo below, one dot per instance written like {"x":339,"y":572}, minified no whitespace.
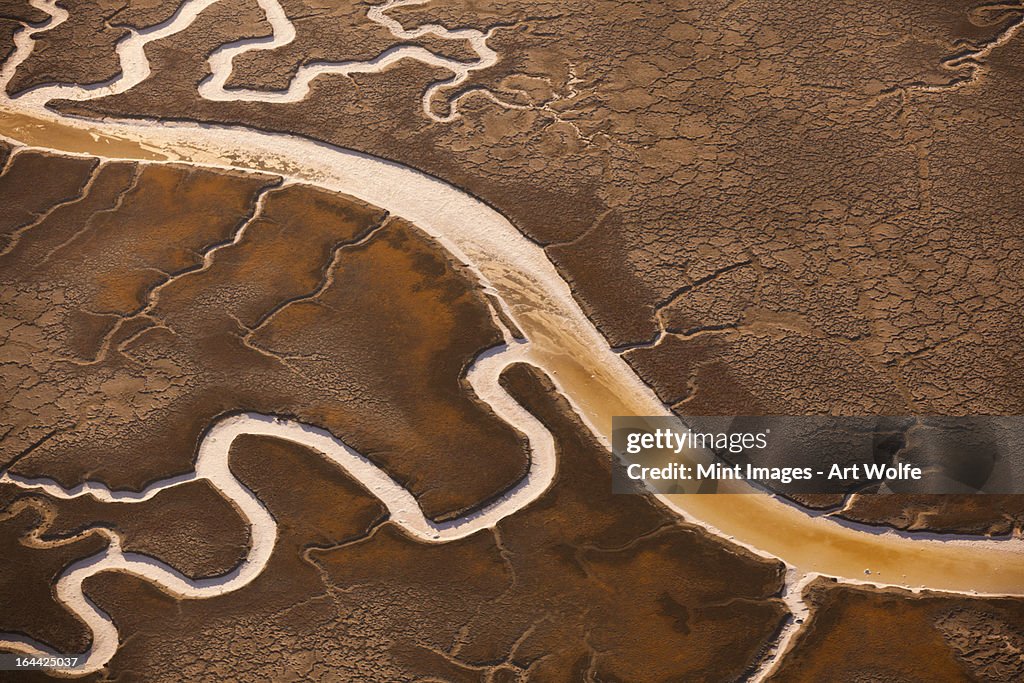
{"x":212,"y":465}
{"x":976,"y":54}
{"x":15,"y":235}
{"x":119,"y":201}
{"x":970,"y":58}
{"x":135,"y":68}
{"x":665,"y":330}
{"x":327,"y":274}
{"x":152,"y":297}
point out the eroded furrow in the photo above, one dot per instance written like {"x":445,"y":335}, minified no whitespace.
{"x":327,"y":277}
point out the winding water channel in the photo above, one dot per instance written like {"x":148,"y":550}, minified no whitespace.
{"x":561,"y":341}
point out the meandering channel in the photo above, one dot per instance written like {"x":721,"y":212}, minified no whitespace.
{"x":212,"y":465}
{"x":562,"y":342}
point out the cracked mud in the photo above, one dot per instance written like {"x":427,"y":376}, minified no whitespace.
{"x":764,"y":207}
{"x":815,"y":212}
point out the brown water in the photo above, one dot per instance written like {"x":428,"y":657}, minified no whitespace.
{"x":36,"y":132}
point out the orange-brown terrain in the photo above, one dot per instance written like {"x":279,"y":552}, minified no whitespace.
{"x":766,"y":208}
{"x":147,"y":314}
{"x":129,"y":362}
{"x":768,"y":212}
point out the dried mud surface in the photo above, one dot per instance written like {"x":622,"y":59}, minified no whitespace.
{"x":993,"y":515}
{"x":581,"y":583}
{"x":14,"y":14}
{"x":859,"y":634}
{"x":130,"y":326}
{"x":191,"y":528}
{"x":768,"y":207}
{"x":94,"y":27}
{"x":143,"y":302}
{"x":329,"y":33}
{"x":775,"y":209}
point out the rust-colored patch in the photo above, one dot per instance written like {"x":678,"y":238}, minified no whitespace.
{"x":168,"y":296}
